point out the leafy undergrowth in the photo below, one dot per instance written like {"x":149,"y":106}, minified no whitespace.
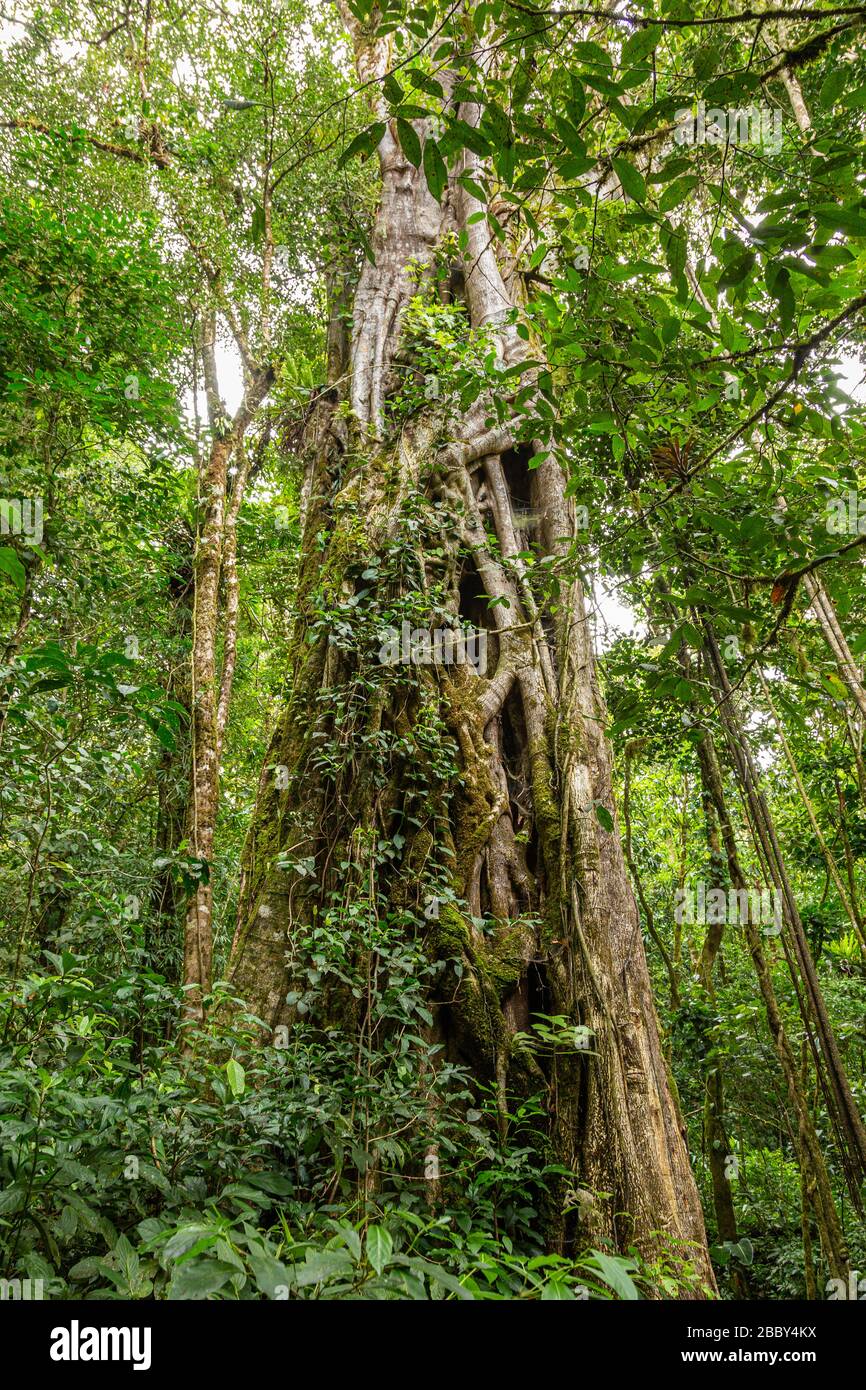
{"x":131,"y":1171}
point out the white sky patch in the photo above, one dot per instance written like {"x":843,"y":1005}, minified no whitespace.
{"x":611,"y":618}
{"x":231,"y":376}
{"x":852,"y":377}
{"x":231,"y":384}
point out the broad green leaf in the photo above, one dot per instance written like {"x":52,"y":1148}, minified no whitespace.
{"x":11,"y":565}
{"x":320,"y":1266}
{"x":435,"y":171}
{"x":196,"y":1279}
{"x":379,"y":1247}
{"x":738,"y":269}
{"x":603,"y":816}
{"x":612,"y":1271}
{"x":409,"y":142}
{"x":363,"y":144}
{"x":236,"y":1076}
{"x":640,"y":45}
{"x":630,"y":178}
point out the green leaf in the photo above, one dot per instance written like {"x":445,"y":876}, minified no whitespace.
{"x":321,"y":1265}
{"x":603,"y":816}
{"x":593,"y":55}
{"x":423,"y":82}
{"x":379,"y":1247}
{"x":236,"y":1076}
{"x":736,"y":272}
{"x":504,"y":163}
{"x":11,"y":565}
{"x":435,"y":171}
{"x":461,"y":134}
{"x":676,"y":193}
{"x":556,"y":1288}
{"x":706,"y":61}
{"x":392,"y":89}
{"x":268,"y":1272}
{"x":779,"y":284}
{"x":631,"y":180}
{"x":851,"y":220}
{"x":409,"y":142}
{"x":640,"y":45}
{"x":674,"y":245}
{"x":614,"y":1274}
{"x":498,"y":123}
{"x":199,"y":1278}
{"x":832,"y":87}
{"x":184,"y":1239}
{"x":12,"y":1199}
{"x":606,"y":86}
{"x":363,"y":144}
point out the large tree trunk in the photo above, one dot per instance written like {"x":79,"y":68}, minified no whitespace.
{"x":512,"y":833}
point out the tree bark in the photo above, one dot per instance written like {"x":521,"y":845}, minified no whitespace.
{"x":715,"y":1129}
{"x":822,"y":607}
{"x":163,"y":928}
{"x":226,"y":437}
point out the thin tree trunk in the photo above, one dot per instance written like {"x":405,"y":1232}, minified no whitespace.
{"x":226,"y":438}
{"x":828,"y":1060}
{"x":822,"y":607}
{"x":681,"y":871}
{"x":662,"y":949}
{"x":715,"y":1131}
{"x":164,"y":922}
{"x":231,"y":585}
{"x":850,"y":869}
{"x":813,"y":1167}
{"x":820,"y":600}
{"x":855,"y":738}
{"x":849,"y":904}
